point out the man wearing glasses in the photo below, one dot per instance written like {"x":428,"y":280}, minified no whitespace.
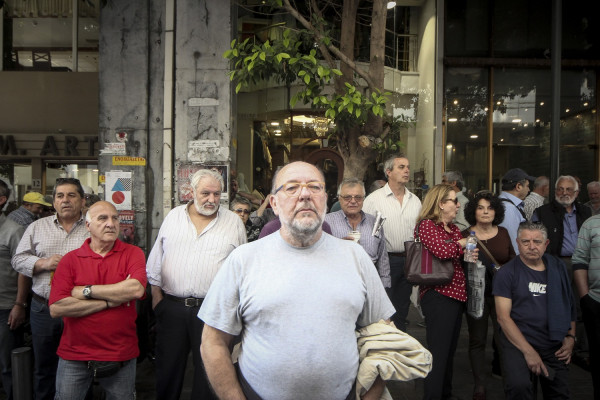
{"x":563,"y":218}
{"x":295,"y":297}
{"x":193,"y":242}
{"x":42,"y":246}
{"x":351,"y":223}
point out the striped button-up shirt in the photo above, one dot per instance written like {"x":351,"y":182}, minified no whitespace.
{"x":42,"y":239}
{"x":184,"y":262}
{"x":373,"y":245}
{"x":401,"y":218}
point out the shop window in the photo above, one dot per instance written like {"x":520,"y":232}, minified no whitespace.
{"x":466,"y":99}
{"x":38,"y":35}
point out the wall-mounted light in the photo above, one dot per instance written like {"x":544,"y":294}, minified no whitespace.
{"x":391,"y":4}
{"x":474,"y":136}
{"x":452,"y":119}
{"x":516,"y":120}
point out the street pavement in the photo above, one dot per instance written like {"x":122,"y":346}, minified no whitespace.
{"x":579,"y":380}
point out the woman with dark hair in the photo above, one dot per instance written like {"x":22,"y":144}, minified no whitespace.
{"x":442,"y":305}
{"x":485,"y":212}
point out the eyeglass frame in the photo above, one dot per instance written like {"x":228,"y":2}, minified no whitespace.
{"x":301,"y":185}
{"x":350,"y":197}
{"x":241,"y":211}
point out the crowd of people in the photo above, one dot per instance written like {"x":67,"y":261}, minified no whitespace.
{"x":292,"y":301}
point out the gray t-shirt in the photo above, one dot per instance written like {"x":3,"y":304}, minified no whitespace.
{"x":297,"y":310}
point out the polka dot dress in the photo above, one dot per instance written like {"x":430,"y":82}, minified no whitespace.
{"x":444,"y":245}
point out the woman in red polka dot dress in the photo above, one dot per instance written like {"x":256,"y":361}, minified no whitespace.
{"x":442,"y":305}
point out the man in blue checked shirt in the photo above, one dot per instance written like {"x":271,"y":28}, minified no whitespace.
{"x":351,"y":218}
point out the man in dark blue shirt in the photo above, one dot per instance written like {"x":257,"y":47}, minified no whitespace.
{"x":531,"y":342}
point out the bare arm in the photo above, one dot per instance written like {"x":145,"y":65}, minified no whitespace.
{"x":217,"y":362}
{"x":376,"y":390}
{"x":514,"y":335}
{"x":157,"y":295}
{"x":581,"y":281}
{"x":72,"y":307}
{"x":566,"y":349}
{"x":126,"y":290}
{"x":46,"y":264}
{"x":17,"y":315}
{"x":263,"y":206}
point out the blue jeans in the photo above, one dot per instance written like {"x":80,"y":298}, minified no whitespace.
{"x":9,"y":340}
{"x":73,"y":379}
{"x":45,"y":336}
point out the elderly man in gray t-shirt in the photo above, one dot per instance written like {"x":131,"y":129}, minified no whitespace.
{"x":296,"y":298}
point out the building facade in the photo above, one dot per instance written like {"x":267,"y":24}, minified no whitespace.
{"x":148,"y":99}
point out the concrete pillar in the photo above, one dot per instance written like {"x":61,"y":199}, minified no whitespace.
{"x":132,"y":93}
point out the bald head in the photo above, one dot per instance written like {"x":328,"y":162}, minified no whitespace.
{"x":102,"y":220}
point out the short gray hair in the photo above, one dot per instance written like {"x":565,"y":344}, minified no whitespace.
{"x":455,"y":176}
{"x":388,"y":164}
{"x":593,"y":184}
{"x":241,"y":201}
{"x":351,"y":182}
{"x":205,"y":173}
{"x":541,"y":181}
{"x":569,"y":178}
{"x":532,"y":226}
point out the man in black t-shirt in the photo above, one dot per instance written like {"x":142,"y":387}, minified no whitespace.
{"x":527,"y":290}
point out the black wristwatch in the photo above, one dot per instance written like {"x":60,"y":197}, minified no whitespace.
{"x":571,"y":336}
{"x":87,"y":292}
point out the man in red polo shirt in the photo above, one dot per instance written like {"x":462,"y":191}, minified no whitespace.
{"x":94,"y":289}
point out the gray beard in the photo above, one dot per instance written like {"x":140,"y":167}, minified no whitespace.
{"x":563,"y":203}
{"x":303,"y":233}
{"x":203,"y":211}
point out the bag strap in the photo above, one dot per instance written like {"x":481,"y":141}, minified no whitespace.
{"x":488,"y":253}
{"x":417,"y":231}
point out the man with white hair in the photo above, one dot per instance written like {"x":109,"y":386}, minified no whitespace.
{"x":593,"y":189}
{"x":193,"y":242}
{"x":563,"y":217}
{"x":537,"y":197}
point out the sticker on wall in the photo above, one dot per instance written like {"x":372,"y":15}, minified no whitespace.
{"x":118,"y":189}
{"x":125,"y":160}
{"x":186,"y":170}
{"x":207,"y":151}
{"x":113,"y":148}
{"x":121,"y":137}
{"x":127,"y":229}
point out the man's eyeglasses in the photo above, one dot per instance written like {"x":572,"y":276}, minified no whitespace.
{"x":566,"y":190}
{"x":241,"y":211}
{"x":293,"y":189}
{"x":348,"y":197}
{"x":455,"y":200}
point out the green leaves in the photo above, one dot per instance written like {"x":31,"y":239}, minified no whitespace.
{"x":282,"y":60}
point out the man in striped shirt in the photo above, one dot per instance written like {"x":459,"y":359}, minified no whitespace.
{"x":401,"y":208}
{"x":192,"y":244}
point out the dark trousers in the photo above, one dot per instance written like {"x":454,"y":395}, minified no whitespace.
{"x":443,"y":317}
{"x":478,"y":332}
{"x":400,"y":291}
{"x":178,"y":330}
{"x":9,"y":340}
{"x":45,"y":336}
{"x":590,"y":310}
{"x":520,"y":382}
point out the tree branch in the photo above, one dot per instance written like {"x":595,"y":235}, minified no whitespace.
{"x":334,"y":50}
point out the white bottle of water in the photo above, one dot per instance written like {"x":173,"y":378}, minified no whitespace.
{"x":470,"y":247}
